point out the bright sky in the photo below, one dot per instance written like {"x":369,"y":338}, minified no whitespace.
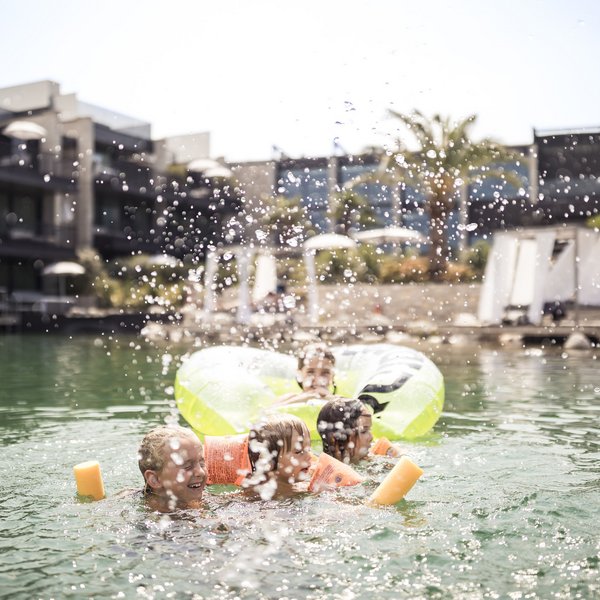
{"x":258,"y":73}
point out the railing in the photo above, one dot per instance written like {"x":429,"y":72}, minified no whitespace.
{"x":57,"y":235}
{"x":42,"y":163}
{"x":573,"y":187}
{"x":129,"y":176}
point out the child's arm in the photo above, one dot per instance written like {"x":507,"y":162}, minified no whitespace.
{"x":294,"y":397}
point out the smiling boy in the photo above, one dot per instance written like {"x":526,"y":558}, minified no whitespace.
{"x":171,"y":460}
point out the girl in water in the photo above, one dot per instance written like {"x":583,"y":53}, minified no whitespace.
{"x":279,"y":453}
{"x":271,"y":459}
{"x":345,"y":429}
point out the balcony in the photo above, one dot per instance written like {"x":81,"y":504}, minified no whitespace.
{"x":36,"y":240}
{"x":570,"y":188}
{"x":112,"y":242}
{"x":126,"y":177}
{"x":41,"y":170}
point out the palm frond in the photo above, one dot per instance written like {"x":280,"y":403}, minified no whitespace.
{"x":416,"y":123}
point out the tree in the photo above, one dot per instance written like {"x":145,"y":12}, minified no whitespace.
{"x":444,"y":160}
{"x":349,"y":210}
{"x":286,"y":221}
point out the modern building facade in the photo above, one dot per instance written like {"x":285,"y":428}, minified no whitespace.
{"x":558,"y":172}
{"x":75,"y":176}
{"x":314,"y":181}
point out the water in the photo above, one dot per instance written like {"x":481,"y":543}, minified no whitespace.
{"x":508,"y":506}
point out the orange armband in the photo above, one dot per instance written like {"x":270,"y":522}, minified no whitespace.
{"x":381,"y":446}
{"x":331,"y":473}
{"x":226,"y":457}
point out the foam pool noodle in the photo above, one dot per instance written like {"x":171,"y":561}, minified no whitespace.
{"x":397,"y":483}
{"x":89,"y":479}
{"x":331,"y":473}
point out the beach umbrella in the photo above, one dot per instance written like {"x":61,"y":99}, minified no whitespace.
{"x":200,"y":165}
{"x":25,"y":130}
{"x":162,"y":260}
{"x":329,"y":241}
{"x":398,"y":235}
{"x":217,"y":172}
{"x":62,"y":270}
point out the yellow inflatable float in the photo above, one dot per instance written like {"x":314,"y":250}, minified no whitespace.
{"x":222,"y":390}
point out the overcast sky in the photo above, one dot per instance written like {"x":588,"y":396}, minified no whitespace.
{"x":258,"y":73}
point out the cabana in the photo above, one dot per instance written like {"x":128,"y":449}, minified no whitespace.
{"x":529,"y":269}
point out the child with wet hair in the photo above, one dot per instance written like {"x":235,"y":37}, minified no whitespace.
{"x":316,"y":367}
{"x":344,"y":425}
{"x":171,"y":460}
{"x":279,"y":452}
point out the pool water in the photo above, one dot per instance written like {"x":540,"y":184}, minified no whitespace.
{"x":508,"y":506}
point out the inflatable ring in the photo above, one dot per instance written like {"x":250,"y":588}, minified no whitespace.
{"x":224,"y":389}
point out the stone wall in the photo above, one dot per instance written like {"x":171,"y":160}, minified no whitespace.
{"x":398,"y":304}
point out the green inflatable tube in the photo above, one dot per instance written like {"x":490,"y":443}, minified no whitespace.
{"x":224,"y":389}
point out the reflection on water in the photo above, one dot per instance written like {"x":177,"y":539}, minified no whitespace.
{"x":507,"y":507}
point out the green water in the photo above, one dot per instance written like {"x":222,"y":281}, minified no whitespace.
{"x":508,"y":507}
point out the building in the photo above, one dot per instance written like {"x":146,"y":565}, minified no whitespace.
{"x":559,"y":173}
{"x":75,"y":176}
{"x":315,"y":180}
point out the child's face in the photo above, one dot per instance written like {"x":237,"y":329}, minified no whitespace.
{"x":316,"y":375}
{"x":363,"y":437}
{"x":293,"y":464}
{"x":183,"y":477}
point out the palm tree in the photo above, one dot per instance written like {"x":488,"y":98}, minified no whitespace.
{"x":351,"y":210}
{"x":286,"y":221}
{"x":444,"y":160}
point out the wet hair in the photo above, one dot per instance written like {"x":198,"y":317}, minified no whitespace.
{"x":337,"y":423}
{"x":151,"y":453}
{"x":274,"y":434}
{"x":318,"y":350}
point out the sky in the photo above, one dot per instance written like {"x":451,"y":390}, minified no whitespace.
{"x":299,"y":75}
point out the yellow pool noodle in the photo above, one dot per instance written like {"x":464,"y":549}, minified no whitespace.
{"x":397,"y":484}
{"x":89,"y":479}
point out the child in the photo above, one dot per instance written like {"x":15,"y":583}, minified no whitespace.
{"x":345,"y":429}
{"x":316,"y":367}
{"x":279,"y":453}
{"x":172,"y":463}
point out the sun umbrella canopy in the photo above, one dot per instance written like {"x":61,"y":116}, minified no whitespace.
{"x":63,"y":268}
{"x":329,"y":241}
{"x":162,"y":260}
{"x":25,"y":130}
{"x":217,"y":172}
{"x":389,"y":235}
{"x":200,"y":165}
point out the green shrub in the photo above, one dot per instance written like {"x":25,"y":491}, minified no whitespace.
{"x":407,"y":269}
{"x":476,"y":257}
{"x":336,"y":266}
{"x":593,"y":222}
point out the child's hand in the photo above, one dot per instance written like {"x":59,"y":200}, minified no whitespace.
{"x":301,"y":397}
{"x":394,"y":451}
{"x":383,"y":447}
